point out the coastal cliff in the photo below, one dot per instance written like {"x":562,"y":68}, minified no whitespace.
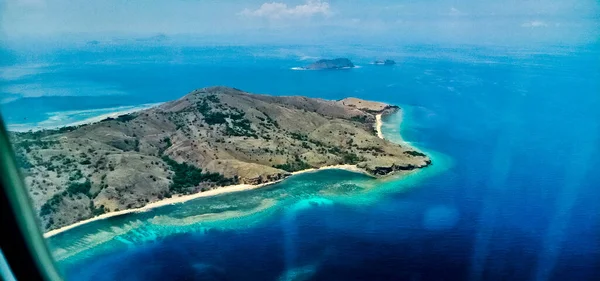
{"x":212,"y":137}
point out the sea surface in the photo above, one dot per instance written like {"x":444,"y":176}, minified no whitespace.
{"x":513,"y":192}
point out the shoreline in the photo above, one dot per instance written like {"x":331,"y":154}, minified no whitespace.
{"x":178,"y":199}
{"x":378,"y":124}
{"x":115,"y":114}
{"x":121,"y":110}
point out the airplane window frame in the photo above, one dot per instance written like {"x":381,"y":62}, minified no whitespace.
{"x":22,"y":243}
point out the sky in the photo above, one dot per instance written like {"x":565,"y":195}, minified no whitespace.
{"x":306,"y":21}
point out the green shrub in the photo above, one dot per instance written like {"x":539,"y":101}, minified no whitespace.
{"x":136,"y":145}
{"x":76,"y":187}
{"x":350,"y":158}
{"x":67,"y":129}
{"x":414,"y":153}
{"x":27,"y":145}
{"x":214,"y":118}
{"x":360,"y":118}
{"x":297,"y":165}
{"x":316,"y":142}
{"x":213,"y":98}
{"x":298,"y":136}
{"x":240,"y":127}
{"x":97,"y":211}
{"x":189,"y":176}
{"x":168,"y":144}
{"x":76,"y":176}
{"x":125,"y":118}
{"x":50,"y":205}
{"x":270,"y":120}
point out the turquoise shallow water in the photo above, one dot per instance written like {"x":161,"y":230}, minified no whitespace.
{"x":236,"y":211}
{"x":512,"y":193}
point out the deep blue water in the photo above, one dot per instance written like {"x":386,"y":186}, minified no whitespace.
{"x":519,"y":200}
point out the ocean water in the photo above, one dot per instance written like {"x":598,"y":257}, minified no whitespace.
{"x":512,"y":193}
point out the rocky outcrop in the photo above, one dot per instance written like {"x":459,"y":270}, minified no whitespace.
{"x":385,"y":166}
{"x":247,"y":173}
{"x":384,"y":62}
{"x":372,"y":107}
{"x":339,"y":63}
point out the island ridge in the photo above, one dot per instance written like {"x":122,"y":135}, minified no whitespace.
{"x":339,"y":63}
{"x":210,"y":138}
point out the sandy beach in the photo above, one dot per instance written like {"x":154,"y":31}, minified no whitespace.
{"x":378,"y":124}
{"x":351,"y":168}
{"x":176,"y":199}
{"x":113,"y":114}
{"x":167,"y":201}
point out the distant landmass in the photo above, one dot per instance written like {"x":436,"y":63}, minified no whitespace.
{"x":210,"y":138}
{"x":339,"y":63}
{"x":384,"y":62}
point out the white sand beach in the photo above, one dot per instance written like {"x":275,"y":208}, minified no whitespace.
{"x":114,"y":114}
{"x":176,"y":199}
{"x":167,"y":201}
{"x":378,"y":124}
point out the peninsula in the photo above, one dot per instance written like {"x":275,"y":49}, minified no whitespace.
{"x":212,"y":139}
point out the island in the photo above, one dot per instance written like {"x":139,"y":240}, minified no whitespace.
{"x":384,"y":62}
{"x":339,"y":63}
{"x":209,"y":140}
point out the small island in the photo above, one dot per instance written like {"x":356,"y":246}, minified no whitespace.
{"x":384,"y":62}
{"x":339,"y":63}
{"x":212,"y":139}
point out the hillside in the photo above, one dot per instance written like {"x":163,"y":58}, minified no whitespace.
{"x":209,"y":138}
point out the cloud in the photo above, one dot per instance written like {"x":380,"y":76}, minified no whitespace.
{"x":535,"y":23}
{"x":277,"y":10}
{"x":455,"y":12}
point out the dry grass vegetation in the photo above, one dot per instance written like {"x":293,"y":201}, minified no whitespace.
{"x":209,"y":138}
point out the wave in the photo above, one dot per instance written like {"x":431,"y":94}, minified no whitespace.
{"x":17,"y":72}
{"x":308,"y":58}
{"x":77,"y":117}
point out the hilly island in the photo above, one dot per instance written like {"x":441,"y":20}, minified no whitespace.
{"x":208,"y":139}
